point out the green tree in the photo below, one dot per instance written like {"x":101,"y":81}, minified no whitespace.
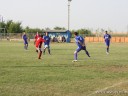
{"x":33,"y":30}
{"x":14,"y":27}
{"x":2,"y":27}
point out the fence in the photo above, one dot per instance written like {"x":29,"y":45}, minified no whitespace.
{"x":16,"y":35}
{"x":101,"y":39}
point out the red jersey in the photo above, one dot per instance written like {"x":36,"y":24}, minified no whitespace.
{"x":36,"y":37}
{"x":39,"y":42}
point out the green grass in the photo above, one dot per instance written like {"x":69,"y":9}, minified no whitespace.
{"x":22,"y":74}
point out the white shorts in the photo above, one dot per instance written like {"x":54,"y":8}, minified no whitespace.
{"x":46,"y":46}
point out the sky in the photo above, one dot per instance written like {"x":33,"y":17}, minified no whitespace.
{"x":92,"y":14}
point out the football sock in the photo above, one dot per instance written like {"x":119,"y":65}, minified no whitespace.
{"x":75,"y":56}
{"x":87,"y":53}
{"x":25,"y":47}
{"x":49,"y":51}
{"x":44,"y":51}
{"x":107,"y":49}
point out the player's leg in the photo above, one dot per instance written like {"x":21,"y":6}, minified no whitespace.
{"x":87,"y":53}
{"x":40,"y":53}
{"x":49,"y":50}
{"x":26,"y":45}
{"x":44,"y":49}
{"x":75,"y":54}
{"x":107,"y":49}
{"x":37,"y":49}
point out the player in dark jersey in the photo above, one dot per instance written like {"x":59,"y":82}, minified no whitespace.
{"x":38,"y":45}
{"x":107,"y":38}
{"x":24,"y":37}
{"x":47,"y":43}
{"x":80,"y":42}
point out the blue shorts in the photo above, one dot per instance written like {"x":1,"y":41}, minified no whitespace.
{"x":25,"y":42}
{"x":107,"y":43}
{"x":80,"y":48}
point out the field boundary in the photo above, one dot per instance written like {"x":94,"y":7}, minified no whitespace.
{"x":101,"y":39}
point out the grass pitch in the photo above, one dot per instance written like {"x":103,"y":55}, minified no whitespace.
{"x":22,"y":74}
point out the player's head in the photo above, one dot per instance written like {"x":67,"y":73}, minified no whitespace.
{"x":106,"y":32}
{"x":41,"y":35}
{"x":46,"y":33}
{"x":76,"y":33}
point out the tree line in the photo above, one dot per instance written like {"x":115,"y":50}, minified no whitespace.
{"x":15,"y":27}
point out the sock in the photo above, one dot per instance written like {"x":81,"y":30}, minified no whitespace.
{"x":75,"y":56}
{"x":107,"y":49}
{"x":87,"y":53}
{"x":44,"y":51}
{"x":27,"y":46}
{"x":49,"y":51}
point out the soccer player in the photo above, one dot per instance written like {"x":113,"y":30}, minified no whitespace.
{"x":38,"y":44}
{"x":36,"y":37}
{"x":81,"y":46}
{"x":107,"y":38}
{"x":24,"y":37}
{"x":47,"y":43}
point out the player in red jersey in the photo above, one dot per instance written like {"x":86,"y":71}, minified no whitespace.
{"x":36,"y":37}
{"x":38,"y":45}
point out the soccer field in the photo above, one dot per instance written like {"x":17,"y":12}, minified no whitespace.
{"x":22,"y":74}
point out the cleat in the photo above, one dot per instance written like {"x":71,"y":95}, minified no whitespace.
{"x":74,"y":61}
{"x":107,"y":53}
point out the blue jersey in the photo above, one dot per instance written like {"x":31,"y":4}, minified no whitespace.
{"x":79,"y":39}
{"x":47,"y":40}
{"x":107,"y":37}
{"x":25,"y":37}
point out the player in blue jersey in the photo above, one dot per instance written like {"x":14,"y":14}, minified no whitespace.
{"x":24,"y":37}
{"x":107,"y":38}
{"x":47,"y":43}
{"x":81,"y":46}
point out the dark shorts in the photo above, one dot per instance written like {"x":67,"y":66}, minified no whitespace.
{"x":107,"y":43}
{"x":81,"y":48}
{"x":25,"y":42}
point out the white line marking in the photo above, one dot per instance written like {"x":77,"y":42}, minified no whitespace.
{"x":117,"y":84}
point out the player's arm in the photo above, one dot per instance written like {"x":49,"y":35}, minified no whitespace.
{"x":83,"y":44}
{"x":43,"y":40}
{"x":110,"y":36}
